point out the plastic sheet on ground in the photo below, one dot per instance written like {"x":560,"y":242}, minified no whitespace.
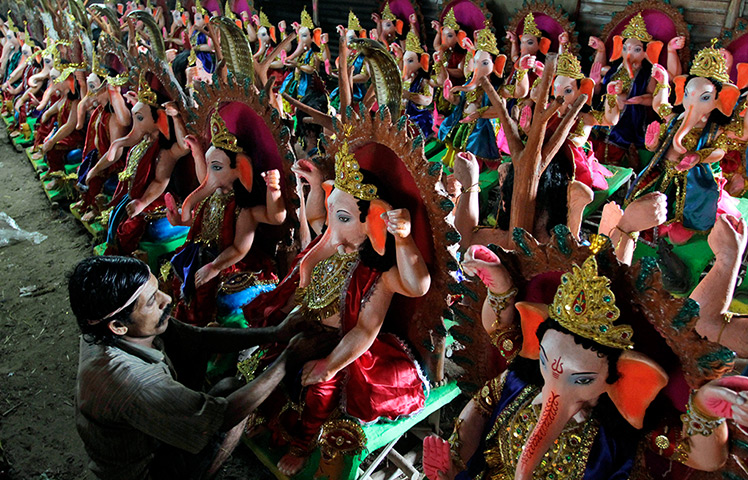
{"x":11,"y":233}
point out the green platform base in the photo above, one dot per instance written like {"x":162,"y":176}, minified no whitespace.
{"x":95,"y":228}
{"x":619,"y":178}
{"x":695,"y":253}
{"x":155,"y":251}
{"x":378,"y":435}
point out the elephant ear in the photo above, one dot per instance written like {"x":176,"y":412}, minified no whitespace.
{"x":742,"y":75}
{"x":317,"y":36}
{"x":617,"y":48}
{"x":376,"y":226}
{"x":587,"y":87}
{"x":399,"y":26}
{"x":162,"y":123}
{"x":545,"y":45}
{"x":461,"y":35}
{"x":244,"y":166}
{"x":640,"y":380}
{"x":499,"y":64}
{"x":727,"y":98}
{"x":425,"y":61}
{"x":680,"y":88}
{"x":653,"y":51}
{"x":531,"y":315}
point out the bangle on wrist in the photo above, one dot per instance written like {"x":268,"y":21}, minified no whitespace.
{"x":726,"y":319}
{"x":697,"y":422}
{"x":632,"y":235}
{"x":473,"y":188}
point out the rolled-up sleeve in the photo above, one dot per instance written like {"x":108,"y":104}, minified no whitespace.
{"x":174,"y":414}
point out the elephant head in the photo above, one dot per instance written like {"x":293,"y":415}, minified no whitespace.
{"x":305,"y":35}
{"x":635,"y":45}
{"x":532,"y":40}
{"x":570,"y":82}
{"x":451,"y":33}
{"x":582,"y":355}
{"x":482,"y":62}
{"x":706,"y":89}
{"x":414,"y":56}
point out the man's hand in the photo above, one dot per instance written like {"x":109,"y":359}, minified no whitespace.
{"x":659,"y":74}
{"x":511,"y":36}
{"x":527,"y":62}
{"x":596,"y":72}
{"x":316,"y":371}
{"x":466,"y":169}
{"x":728,"y":238}
{"x":309,"y":346}
{"x":652,"y":136}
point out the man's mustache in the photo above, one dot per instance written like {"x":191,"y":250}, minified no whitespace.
{"x":165,"y":316}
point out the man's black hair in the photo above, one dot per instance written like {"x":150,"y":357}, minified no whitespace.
{"x":100,"y":285}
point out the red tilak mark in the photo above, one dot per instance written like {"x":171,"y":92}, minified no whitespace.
{"x":558,"y":367}
{"x":550,"y":411}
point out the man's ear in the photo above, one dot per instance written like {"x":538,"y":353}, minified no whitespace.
{"x":117,"y":327}
{"x":376,"y":226}
{"x":246,"y":173}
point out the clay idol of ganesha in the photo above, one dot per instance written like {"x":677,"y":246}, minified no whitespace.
{"x":347,"y":280}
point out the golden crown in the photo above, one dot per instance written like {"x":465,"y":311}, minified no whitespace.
{"x":178,"y":6}
{"x":353,"y":23}
{"x":387,"y":13}
{"x":568,"y":66}
{"x":220,"y":136}
{"x":200,"y":9}
{"x":710,"y":63}
{"x":530,"y":27}
{"x":585,"y":305}
{"x":145,"y":93}
{"x":486,"y":41}
{"x":264,"y":20}
{"x":97,"y":68}
{"x":306,"y":20}
{"x":637,"y":29}
{"x":12,"y":24}
{"x":413,"y":43}
{"x":228,"y":12}
{"x":29,"y":41}
{"x":348,"y":177}
{"x":450,"y":21}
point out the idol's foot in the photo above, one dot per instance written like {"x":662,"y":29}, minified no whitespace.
{"x":291,"y":464}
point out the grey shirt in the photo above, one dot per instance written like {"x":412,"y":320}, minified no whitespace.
{"x":128,"y":402}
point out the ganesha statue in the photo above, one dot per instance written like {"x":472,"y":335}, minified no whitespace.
{"x":689,"y":145}
{"x":237,"y":194}
{"x":585,"y":393}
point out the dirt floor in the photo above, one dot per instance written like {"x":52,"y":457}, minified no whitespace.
{"x":39,"y":340}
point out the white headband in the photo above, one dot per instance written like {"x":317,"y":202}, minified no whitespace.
{"x":129,"y":302}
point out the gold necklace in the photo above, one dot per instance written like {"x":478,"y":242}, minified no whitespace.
{"x":213,"y":212}
{"x":322,"y":297}
{"x":136,"y":154}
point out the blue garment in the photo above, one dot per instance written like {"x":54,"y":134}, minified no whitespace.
{"x":10,"y":66}
{"x":632,"y":125}
{"x":296,"y":84}
{"x":359,"y":89}
{"x":481,"y":140}
{"x":610,"y":457}
{"x":207,"y":58}
{"x":421,"y":116}
{"x":702,"y":191}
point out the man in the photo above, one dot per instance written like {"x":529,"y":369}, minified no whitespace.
{"x":136,"y":420}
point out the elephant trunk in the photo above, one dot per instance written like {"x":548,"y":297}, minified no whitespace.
{"x":45,"y":98}
{"x":81,"y":112}
{"x":629,"y":67}
{"x":201,"y":193}
{"x":296,"y":53}
{"x":688,"y":123}
{"x":554,"y":415}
